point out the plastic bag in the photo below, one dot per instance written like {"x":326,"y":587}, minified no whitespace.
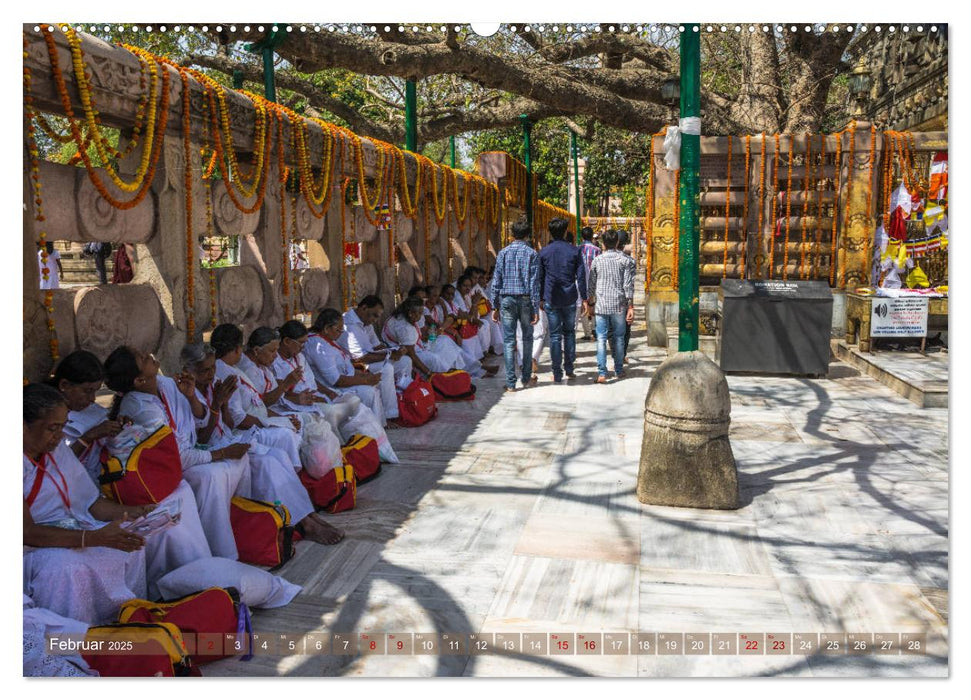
{"x":320,"y":448}
{"x":363,"y":422}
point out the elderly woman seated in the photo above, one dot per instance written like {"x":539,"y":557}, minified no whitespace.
{"x":79,"y":560}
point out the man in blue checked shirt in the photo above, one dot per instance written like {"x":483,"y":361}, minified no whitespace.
{"x":562,"y":281}
{"x":515,"y":300}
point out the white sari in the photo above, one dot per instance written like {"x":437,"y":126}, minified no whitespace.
{"x":329,"y":362}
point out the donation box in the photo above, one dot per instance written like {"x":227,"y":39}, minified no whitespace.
{"x":776,"y":326}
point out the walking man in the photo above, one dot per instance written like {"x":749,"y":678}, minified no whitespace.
{"x":515,"y":301}
{"x":562,"y":280}
{"x":612,"y":285}
{"x":588,"y":251}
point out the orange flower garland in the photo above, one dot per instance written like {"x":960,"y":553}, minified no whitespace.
{"x":440,"y":201}
{"x":160,"y":125}
{"x":838,"y":184}
{"x":283,"y":175}
{"x":869,"y":198}
{"x":819,"y":207}
{"x":677,"y":227}
{"x":775,"y":220}
{"x":744,"y":242}
{"x":761,"y":202}
{"x":785,"y":248}
{"x":190,"y":244}
{"x":728,"y":202}
{"x":34,"y":157}
{"x":649,"y":219}
{"x":807,"y":164}
{"x":344,"y":262}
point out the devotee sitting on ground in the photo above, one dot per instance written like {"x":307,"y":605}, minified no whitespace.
{"x":467,"y":305}
{"x":484,"y":308}
{"x":333,"y":366}
{"x":79,"y":561}
{"x":362,"y":341}
{"x":437,"y":311}
{"x":78,"y":377}
{"x":274,"y":471}
{"x":151,"y":401}
{"x":404,"y":328}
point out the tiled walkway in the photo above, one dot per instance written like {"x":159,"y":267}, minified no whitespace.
{"x":516,"y":513}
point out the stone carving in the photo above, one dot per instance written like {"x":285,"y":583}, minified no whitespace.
{"x":365,"y":280}
{"x":240,"y":294}
{"x":662,"y":276}
{"x":308,"y":226}
{"x":104,"y":319}
{"x":404,"y":228}
{"x":230,"y":221}
{"x":406,"y":276}
{"x":37,"y":354}
{"x":99,"y":221}
{"x":664,"y":243}
{"x":364,"y":231}
{"x":434,"y":269}
{"x":314,"y":285}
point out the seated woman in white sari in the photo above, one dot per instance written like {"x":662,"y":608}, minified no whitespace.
{"x":78,"y":377}
{"x":274,"y":471}
{"x":362,"y":341}
{"x":480,"y":290}
{"x":464,"y":304}
{"x":215,"y":476}
{"x":309,"y":394}
{"x":333,"y":367}
{"x":406,"y":328}
{"x":79,"y":561}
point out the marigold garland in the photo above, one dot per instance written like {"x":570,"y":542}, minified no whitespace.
{"x":868,"y":240}
{"x":649,"y":219}
{"x":849,"y":190}
{"x":760,"y":232}
{"x":34,"y":158}
{"x":807,"y":164}
{"x":785,"y":247}
{"x":344,"y":262}
{"x":819,"y":207}
{"x":677,"y":227}
{"x":838,"y":186}
{"x":775,"y":220}
{"x":744,"y":241}
{"x":156,"y":139}
{"x":190,"y":244}
{"x":283,"y":175}
{"x":728,"y":202}
{"x":440,"y":201}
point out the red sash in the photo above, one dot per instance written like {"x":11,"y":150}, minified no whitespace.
{"x":39,"y":481}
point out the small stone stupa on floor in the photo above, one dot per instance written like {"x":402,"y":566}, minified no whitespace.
{"x":686,"y":458}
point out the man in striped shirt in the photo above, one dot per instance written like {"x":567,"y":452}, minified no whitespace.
{"x":515,"y":301}
{"x":612,"y":288}
{"x":588,"y":251}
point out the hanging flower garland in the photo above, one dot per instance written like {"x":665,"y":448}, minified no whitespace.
{"x":210,"y":219}
{"x":838,"y":185}
{"x":649,"y":219}
{"x":785,"y":248}
{"x":849,"y":190}
{"x":345,"y":263}
{"x":819,"y":206}
{"x":283,"y":174}
{"x":728,"y":202}
{"x":677,"y":226}
{"x":775,"y":220}
{"x":428,"y":243}
{"x":761,"y":203}
{"x":190,"y":244}
{"x":440,"y":200}
{"x":744,"y":242}
{"x":409,"y":203}
{"x":156,"y":126}
{"x":461,"y":210}
{"x":869,"y":196}
{"x":807,"y":164}
{"x":294,"y":291}
{"x":34,"y":157}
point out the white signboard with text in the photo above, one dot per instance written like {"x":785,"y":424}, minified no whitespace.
{"x":901,"y":317}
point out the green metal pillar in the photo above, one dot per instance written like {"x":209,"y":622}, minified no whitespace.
{"x":411,"y":115}
{"x":688,"y":241}
{"x":576,"y":179}
{"x":528,"y":160}
{"x":451,"y":147}
{"x":265,"y":47}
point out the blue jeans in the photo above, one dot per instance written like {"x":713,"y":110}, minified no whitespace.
{"x":563,"y":336}
{"x":617,"y":325}
{"x":513,"y":310}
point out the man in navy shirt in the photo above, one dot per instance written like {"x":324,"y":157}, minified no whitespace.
{"x":562,"y":279}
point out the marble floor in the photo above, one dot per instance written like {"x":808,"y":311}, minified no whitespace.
{"x":515,"y":515}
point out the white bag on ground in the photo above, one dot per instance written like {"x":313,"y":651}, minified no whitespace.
{"x":320,"y":448}
{"x":257,"y":588}
{"x":363,"y":422}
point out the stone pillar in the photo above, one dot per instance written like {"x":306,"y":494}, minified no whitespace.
{"x":662,"y":298}
{"x":858,"y":224}
{"x":686,"y":458}
{"x":571,"y":195}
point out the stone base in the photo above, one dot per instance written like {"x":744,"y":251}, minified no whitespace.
{"x":686,"y":457}
{"x":708,"y":344}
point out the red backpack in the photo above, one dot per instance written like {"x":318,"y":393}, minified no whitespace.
{"x":214,"y":611}
{"x":361,"y":452}
{"x":154,"y":649}
{"x":334,"y":492}
{"x":454,"y":385}
{"x":151,"y":472}
{"x":262,"y":530}
{"x":416,"y":404}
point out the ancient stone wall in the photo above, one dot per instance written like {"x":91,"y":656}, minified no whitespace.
{"x":153,"y":311}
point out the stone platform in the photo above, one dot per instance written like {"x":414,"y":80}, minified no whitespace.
{"x":922,"y":379}
{"x":516,"y":513}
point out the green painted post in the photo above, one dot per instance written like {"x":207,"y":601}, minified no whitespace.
{"x":690,"y":161}
{"x":451,"y":147}
{"x":269,"y":84}
{"x":528,"y":159}
{"x":576,"y":179}
{"x":237,"y":79}
{"x":411,"y":115}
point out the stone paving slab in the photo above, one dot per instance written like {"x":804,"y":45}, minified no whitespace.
{"x":516,"y":513}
